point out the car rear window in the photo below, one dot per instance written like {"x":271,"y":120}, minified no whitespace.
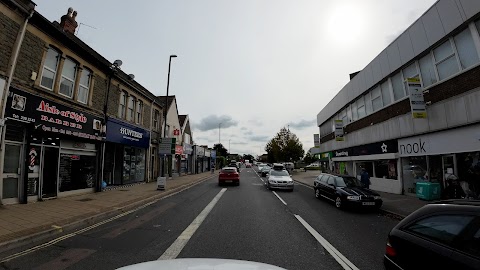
{"x":229,"y":170}
{"x":441,"y":228}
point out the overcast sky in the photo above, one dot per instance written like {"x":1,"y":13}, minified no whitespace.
{"x":254,"y":65}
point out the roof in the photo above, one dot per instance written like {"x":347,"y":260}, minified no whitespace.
{"x":161,"y":100}
{"x":181,"y":119}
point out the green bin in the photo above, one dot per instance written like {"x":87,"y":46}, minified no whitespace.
{"x":428,"y":191}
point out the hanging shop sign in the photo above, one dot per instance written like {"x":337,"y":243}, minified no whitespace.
{"x":213,"y":154}
{"x":339,"y":131}
{"x":178,"y":149}
{"x":207,"y":152}
{"x":368,"y":149}
{"x":124,"y":133}
{"x":417,"y":103}
{"x":50,"y":116}
{"x":316,"y":140}
{"x":187,"y":148}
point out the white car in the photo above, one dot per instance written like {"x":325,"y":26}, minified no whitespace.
{"x":279,"y":179}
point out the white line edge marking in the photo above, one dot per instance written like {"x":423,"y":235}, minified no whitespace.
{"x":279,"y":198}
{"x":174,"y":250}
{"x":64,"y":237}
{"x":344,"y":262}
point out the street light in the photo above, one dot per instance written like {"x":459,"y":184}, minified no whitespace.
{"x":219,"y":124}
{"x":229,"y":146}
{"x":165,"y":109}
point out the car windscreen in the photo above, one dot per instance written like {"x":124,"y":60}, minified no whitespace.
{"x":278,"y":173}
{"x":347,"y":182}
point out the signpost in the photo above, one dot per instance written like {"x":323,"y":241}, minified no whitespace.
{"x":166,"y":146}
{"x":417,"y":103}
{"x":339,"y":131}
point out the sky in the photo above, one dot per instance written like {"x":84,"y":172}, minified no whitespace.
{"x":254,"y":66}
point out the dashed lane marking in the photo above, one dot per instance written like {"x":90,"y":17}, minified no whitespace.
{"x":279,"y":198}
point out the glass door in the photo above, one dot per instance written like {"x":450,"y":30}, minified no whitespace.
{"x":449,"y":167}
{"x":50,"y":172}
{"x":11,"y":173}
{"x":33,"y":160}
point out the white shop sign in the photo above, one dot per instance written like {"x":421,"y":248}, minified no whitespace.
{"x":459,"y":140}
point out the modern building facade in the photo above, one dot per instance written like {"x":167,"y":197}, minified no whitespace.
{"x":382,"y":135}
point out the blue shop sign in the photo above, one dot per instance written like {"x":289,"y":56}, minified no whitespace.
{"x":123,"y":133}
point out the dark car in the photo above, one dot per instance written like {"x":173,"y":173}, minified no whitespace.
{"x":443,"y":235}
{"x":265,"y":170}
{"x":235,"y":165}
{"x":345,"y":190}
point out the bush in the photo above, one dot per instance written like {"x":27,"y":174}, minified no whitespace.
{"x":312,"y":168}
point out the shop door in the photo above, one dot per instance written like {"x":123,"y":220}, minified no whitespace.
{"x":50,"y":172}
{"x":11,"y":173}
{"x":449,"y":167}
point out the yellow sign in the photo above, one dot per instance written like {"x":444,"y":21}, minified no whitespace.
{"x":419,"y":114}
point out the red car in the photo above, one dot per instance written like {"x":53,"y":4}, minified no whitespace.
{"x":229,"y":175}
{"x":248,"y":165}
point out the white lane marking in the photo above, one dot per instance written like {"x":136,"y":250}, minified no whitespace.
{"x":61,"y":238}
{"x":279,"y":198}
{"x":177,"y":246}
{"x":344,"y":262}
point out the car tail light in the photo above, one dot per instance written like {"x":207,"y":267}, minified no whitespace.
{"x":390,"y":251}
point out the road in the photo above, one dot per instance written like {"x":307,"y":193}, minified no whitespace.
{"x":246,"y":222}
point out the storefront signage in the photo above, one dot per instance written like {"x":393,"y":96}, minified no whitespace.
{"x":187,"y":148}
{"x":124,"y":133}
{"x":200,"y":151}
{"x":326,"y":155}
{"x":339,"y":131}
{"x":457,"y":140}
{"x":178,"y":149}
{"x":50,"y":116}
{"x":368,"y":149}
{"x":213,"y":154}
{"x":316,"y":140}
{"x":207,"y":153}
{"x":166,"y":146}
{"x":176,"y":132}
{"x":417,"y":103}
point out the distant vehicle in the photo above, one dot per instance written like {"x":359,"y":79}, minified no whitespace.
{"x":265,"y":170}
{"x":278,"y":166}
{"x":279,"y":179}
{"x":289,"y":166}
{"x":345,"y":191}
{"x":443,"y":235}
{"x":235,"y":165}
{"x":248,"y":165}
{"x":229,"y":175}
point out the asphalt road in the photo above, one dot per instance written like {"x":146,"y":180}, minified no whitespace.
{"x":248,"y":222}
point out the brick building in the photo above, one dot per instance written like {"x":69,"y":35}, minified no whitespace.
{"x":383,"y":135}
{"x":71,"y":117}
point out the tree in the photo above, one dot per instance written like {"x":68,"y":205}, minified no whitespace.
{"x":309,"y":158}
{"x":284,"y":147}
{"x":221,"y":151}
{"x":248,"y":157}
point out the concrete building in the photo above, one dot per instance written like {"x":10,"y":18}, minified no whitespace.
{"x":381,"y":133}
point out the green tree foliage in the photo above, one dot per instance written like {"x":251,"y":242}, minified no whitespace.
{"x":309,"y":158}
{"x":284,"y":147}
{"x":221,"y":151}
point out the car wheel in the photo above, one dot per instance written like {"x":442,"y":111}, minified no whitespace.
{"x":317,"y":193}
{"x":338,"y":202}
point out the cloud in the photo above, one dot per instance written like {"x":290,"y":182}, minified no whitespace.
{"x":212,"y":121}
{"x":248,"y":132}
{"x":302,"y":124}
{"x":243,"y":128}
{"x":259,"y":138}
{"x":255,"y":122}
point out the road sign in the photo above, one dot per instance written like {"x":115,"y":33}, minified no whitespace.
{"x":166,"y":146}
{"x":417,"y":103}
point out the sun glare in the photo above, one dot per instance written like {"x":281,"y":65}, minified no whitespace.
{"x":345,"y":24}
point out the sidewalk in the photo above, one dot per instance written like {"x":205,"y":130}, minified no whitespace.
{"x":398,"y":205}
{"x":27,"y":223}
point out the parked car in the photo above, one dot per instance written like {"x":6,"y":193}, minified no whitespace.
{"x":344,"y":191}
{"x":279,"y":179}
{"x":248,"y":165}
{"x":229,"y":175}
{"x":443,"y":235}
{"x":265,"y":170}
{"x":234,"y":164}
{"x":278,"y":166}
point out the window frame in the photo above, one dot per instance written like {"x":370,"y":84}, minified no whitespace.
{"x":123,"y":107}
{"x":453,"y":54}
{"x":75,"y":72}
{"x":87,"y":87}
{"x":139,"y":111}
{"x":130,"y":116}
{"x":55,"y":72}
{"x":156,"y":115}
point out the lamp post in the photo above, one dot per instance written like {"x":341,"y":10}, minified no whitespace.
{"x":229,"y":146}
{"x":219,"y":124}
{"x":165,"y":109}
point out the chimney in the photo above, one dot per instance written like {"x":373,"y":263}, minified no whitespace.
{"x":68,"y":23}
{"x":353,"y":75}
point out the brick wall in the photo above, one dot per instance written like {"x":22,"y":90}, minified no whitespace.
{"x":147,"y":116}
{"x":99,"y":92}
{"x":29,"y":58}
{"x":452,"y":87}
{"x":8,"y":34}
{"x":113,"y":100}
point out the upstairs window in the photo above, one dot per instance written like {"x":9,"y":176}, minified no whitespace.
{"x":445,"y":60}
{"x":386,"y":97}
{"x":139,"y":111}
{"x":67,"y":82}
{"x":368,"y":103}
{"x":84,"y":86}
{"x":131,"y":108}
{"x":427,"y":70}
{"x":409,"y":72}
{"x":466,"y":49}
{"x":397,"y":85}
{"x":377,"y":99}
{"x":156,"y":116}
{"x":361,"y":108}
{"x":49,"y":70}
{"x":122,"y":106}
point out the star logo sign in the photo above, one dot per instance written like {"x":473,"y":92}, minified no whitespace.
{"x":384,"y":148}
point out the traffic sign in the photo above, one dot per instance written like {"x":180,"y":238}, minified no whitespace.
{"x":166,"y":146}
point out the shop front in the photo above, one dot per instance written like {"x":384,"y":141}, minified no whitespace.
{"x":325,"y":161}
{"x":187,"y":158}
{"x":199,"y":153}
{"x":59,"y":145}
{"x":434,"y":157}
{"x":125,"y":153}
{"x":206,"y":160}
{"x":178,"y":159}
{"x":380,"y":160}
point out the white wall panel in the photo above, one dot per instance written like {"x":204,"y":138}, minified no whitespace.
{"x":456,"y":112}
{"x":361,"y":81}
{"x":449,"y":15}
{"x":384,"y":64}
{"x":405,"y":47}
{"x":436,"y":116}
{"x":393,"y":128}
{"x":433,"y":26}
{"x":368,"y":76}
{"x":393,"y":56}
{"x":418,"y":37}
{"x":472,"y":105}
{"x":348,"y":89}
{"x":470,"y":7}
{"x":406,"y":125}
{"x":376,"y":70}
{"x":420,"y":125}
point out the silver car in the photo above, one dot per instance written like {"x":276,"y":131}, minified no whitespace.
{"x":279,"y":179}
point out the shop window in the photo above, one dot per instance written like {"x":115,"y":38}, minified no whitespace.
{"x":466,"y":49}
{"x":367,"y":165}
{"x":414,"y":170}
{"x":445,"y":60}
{"x":131,"y":108}
{"x":84,"y":86}
{"x":368,"y":104}
{"x":139,"y":113}
{"x":123,"y":104}
{"x":386,"y":97}
{"x":133,"y":165}
{"x":468,"y":165}
{"x":397,"y":85}
{"x":49,"y":70}
{"x":67,"y":82}
{"x":441,"y":228}
{"x":77,"y":171}
{"x":427,"y":70}
{"x":386,"y":169}
{"x":377,"y":99}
